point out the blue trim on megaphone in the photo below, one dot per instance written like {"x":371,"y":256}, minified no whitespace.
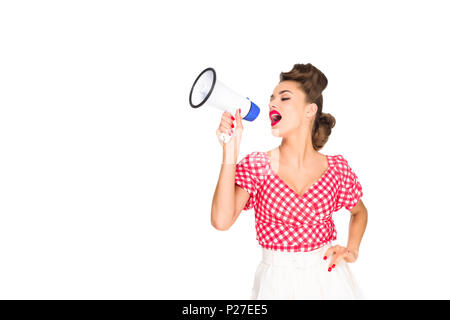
{"x":252,"y":113}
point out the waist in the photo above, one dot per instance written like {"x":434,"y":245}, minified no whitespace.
{"x":298,"y":259}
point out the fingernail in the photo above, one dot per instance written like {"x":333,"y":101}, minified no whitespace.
{"x":232,"y":118}
{"x":329,"y":269}
{"x":239,"y":111}
{"x":232,"y":125}
{"x":325,"y":258}
{"x":333,"y":266}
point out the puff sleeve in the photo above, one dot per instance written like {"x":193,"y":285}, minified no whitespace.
{"x":350,"y":189}
{"x":248,"y":177}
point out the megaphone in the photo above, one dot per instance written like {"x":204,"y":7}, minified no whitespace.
{"x":209,"y":91}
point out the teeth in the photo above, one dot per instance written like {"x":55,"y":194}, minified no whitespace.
{"x":275,"y":117}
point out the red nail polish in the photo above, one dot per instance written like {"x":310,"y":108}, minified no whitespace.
{"x":329,"y":269}
{"x":232,"y":118}
{"x":333,"y":266}
{"x":232,"y":125}
{"x":325,"y":258}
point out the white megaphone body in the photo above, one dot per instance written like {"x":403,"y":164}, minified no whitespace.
{"x":207,"y":90}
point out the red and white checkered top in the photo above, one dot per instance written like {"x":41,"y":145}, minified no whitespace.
{"x":286,"y":221}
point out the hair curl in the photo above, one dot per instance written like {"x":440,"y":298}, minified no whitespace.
{"x":312,"y":82}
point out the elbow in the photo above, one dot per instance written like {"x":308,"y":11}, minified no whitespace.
{"x":220,"y":226}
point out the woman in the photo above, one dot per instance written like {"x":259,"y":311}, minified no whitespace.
{"x":294,"y":189}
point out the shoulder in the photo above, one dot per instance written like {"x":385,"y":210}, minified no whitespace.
{"x":345,"y":171}
{"x":256,"y":162}
{"x":255,"y":158}
{"x":340,"y":163}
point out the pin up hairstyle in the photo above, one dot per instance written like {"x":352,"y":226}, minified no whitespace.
{"x":312,"y":82}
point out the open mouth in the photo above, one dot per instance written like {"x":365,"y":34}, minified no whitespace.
{"x":275,"y":117}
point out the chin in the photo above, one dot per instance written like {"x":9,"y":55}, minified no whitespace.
{"x":276,"y":132}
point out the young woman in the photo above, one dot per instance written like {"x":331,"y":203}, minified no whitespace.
{"x":294,"y":190}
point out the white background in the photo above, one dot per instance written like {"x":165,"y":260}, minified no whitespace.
{"x":107,"y":174}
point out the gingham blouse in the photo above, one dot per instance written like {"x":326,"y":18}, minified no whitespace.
{"x":286,"y":221}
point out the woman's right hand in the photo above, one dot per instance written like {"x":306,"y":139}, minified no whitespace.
{"x":231,"y":148}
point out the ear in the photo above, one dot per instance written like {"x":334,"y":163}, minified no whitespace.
{"x":312,"y":109}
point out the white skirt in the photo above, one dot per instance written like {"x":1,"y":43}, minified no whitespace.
{"x":303,"y":275}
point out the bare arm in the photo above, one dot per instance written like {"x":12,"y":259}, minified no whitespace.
{"x":229,"y":199}
{"x":358,"y":223}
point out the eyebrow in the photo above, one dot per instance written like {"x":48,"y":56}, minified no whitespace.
{"x":282,"y":91}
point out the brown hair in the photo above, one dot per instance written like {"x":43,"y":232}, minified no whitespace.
{"x":312,"y":82}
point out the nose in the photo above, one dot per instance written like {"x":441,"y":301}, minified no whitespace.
{"x":272,"y":107}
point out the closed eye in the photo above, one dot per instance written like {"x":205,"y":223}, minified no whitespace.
{"x":285,"y":99}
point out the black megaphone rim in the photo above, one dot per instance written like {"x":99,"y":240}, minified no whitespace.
{"x":210,"y":90}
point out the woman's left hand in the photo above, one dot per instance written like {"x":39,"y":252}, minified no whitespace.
{"x":338,"y":253}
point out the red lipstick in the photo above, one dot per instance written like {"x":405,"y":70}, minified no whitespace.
{"x":275,"y":117}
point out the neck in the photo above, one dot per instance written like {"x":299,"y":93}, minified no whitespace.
{"x":296,"y":150}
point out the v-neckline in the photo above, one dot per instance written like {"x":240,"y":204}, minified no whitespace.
{"x":309,"y":188}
